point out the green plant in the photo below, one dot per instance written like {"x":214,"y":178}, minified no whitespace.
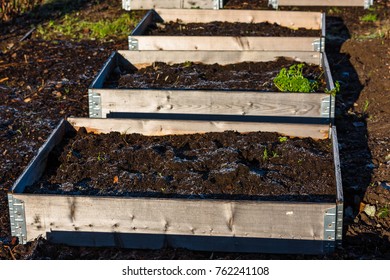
{"x":366,"y":105}
{"x":292,"y":80}
{"x":370,"y":17}
{"x":282,"y":139}
{"x":383,"y":212}
{"x":275,"y":154}
{"x":335,"y":90}
{"x":100,"y":157}
{"x":265,"y":154}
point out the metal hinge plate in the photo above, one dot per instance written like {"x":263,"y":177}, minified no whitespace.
{"x":319,"y":45}
{"x":126,"y":5}
{"x":273,"y":3}
{"x":325,"y":106}
{"x":95,"y":105}
{"x":368,"y":3}
{"x":17,"y":218}
{"x":133,"y":44}
{"x":329,"y":230}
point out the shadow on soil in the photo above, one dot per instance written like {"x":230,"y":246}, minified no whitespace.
{"x":355,"y":155}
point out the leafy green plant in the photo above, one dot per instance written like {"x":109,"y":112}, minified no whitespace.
{"x":335,"y":90}
{"x":292,"y":80}
{"x":265,"y":154}
{"x":383,"y":212}
{"x":370,"y":17}
{"x":282,"y":139}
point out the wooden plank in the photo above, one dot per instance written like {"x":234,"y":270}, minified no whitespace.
{"x":166,"y":127}
{"x":37,"y":165}
{"x":255,"y":219}
{"x":211,"y":102}
{"x":291,"y":19}
{"x":168,"y":4}
{"x":145,"y":58}
{"x":330,"y":3}
{"x":228,"y":43}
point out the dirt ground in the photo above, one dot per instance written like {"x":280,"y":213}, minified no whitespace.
{"x":44,"y":81}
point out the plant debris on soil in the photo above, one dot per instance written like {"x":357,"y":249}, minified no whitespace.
{"x":226,"y":165}
{"x":219,"y":28}
{"x":239,"y":76}
{"x":358,"y":54}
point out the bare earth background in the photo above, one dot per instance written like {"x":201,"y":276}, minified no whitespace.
{"x":44,"y":79}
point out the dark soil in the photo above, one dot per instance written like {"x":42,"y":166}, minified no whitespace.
{"x":358,"y":53}
{"x":217,"y":28}
{"x":241,"y":76}
{"x":225,"y":165}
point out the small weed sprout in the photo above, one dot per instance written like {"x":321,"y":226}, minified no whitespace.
{"x":283,"y":139}
{"x":383,"y":212}
{"x":335,"y":90}
{"x":370,"y":17}
{"x":265,"y":154}
{"x":366,"y":105}
{"x":100,"y":157}
{"x":275,"y":154}
{"x":292,"y":80}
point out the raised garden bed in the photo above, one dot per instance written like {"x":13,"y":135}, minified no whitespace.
{"x":172,"y":4}
{"x":168,"y":29}
{"x":296,"y":220}
{"x":260,"y":105}
{"x":330,"y":3}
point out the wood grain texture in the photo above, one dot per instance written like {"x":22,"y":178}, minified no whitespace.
{"x":145,"y":58}
{"x":211,"y":102}
{"x":227,"y":43}
{"x":170,"y":4}
{"x":291,"y":19}
{"x":281,"y":220}
{"x":166,"y":127}
{"x":321,"y":3}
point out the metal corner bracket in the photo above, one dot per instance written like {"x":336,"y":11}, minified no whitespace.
{"x":217,"y":4}
{"x":330,"y":230}
{"x":319,"y":45}
{"x":326,"y":106}
{"x":126,"y":5}
{"x":368,"y":3}
{"x":17,"y":218}
{"x":95,"y":105}
{"x":133,"y":44}
{"x":273,"y":3}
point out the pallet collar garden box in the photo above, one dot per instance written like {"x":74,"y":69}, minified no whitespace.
{"x":153,"y":223}
{"x":294,"y":20}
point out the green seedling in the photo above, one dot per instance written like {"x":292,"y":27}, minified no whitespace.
{"x":370,"y":17}
{"x":366,"y":105}
{"x":383,"y":212}
{"x":335,"y":90}
{"x":100,"y":157}
{"x":283,"y":139}
{"x":274,"y":154}
{"x":265,"y":154}
{"x":292,"y":80}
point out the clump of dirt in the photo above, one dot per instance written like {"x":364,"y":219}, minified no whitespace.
{"x":226,"y":165}
{"x":240,"y":76}
{"x":219,"y":28}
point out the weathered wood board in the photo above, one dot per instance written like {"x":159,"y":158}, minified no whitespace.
{"x":223,"y":225}
{"x":138,"y":40}
{"x":330,"y":3}
{"x":291,"y":107}
{"x":171,"y":4}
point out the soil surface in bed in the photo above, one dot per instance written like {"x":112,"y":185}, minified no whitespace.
{"x":220,"y":28}
{"x":240,"y":76}
{"x":226,"y":165}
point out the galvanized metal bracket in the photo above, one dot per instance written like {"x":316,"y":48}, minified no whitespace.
{"x":326,"y":106}
{"x":330,"y":230}
{"x":133,"y":44}
{"x":339,"y":224}
{"x":273,"y":3}
{"x":368,"y":3}
{"x":217,"y":4}
{"x":95,"y":104}
{"x":319,"y":45}
{"x":126,"y":4}
{"x":17,"y":218}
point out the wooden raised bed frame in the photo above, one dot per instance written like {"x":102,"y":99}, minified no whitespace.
{"x":171,"y":4}
{"x":308,"y":20}
{"x":265,"y":106}
{"x":330,"y":3}
{"x":196,"y":224}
